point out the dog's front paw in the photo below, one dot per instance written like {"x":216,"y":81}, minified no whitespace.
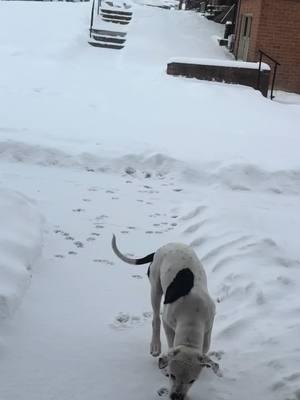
{"x":155,"y":349}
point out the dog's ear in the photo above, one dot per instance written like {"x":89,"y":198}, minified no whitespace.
{"x":173,"y":353}
{"x":207,"y":362}
{"x":163,"y":361}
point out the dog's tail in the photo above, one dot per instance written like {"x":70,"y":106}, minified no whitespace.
{"x":136,"y":261}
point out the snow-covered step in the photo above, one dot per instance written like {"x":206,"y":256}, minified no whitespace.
{"x":115,"y":16}
{"x":117,"y":12}
{"x":115,"y":21}
{"x":106,"y":45}
{"x":105,"y":32}
{"x":108,"y":39}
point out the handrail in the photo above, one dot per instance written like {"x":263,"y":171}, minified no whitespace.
{"x":98,"y":7}
{"x":92,"y":18}
{"x":261,"y":54}
{"x":229,"y":11}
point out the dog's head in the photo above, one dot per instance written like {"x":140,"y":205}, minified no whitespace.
{"x":183,"y":366}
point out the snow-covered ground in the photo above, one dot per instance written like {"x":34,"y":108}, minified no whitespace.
{"x":97,"y":141}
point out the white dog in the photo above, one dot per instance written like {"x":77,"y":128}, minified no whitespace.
{"x":188,"y":313}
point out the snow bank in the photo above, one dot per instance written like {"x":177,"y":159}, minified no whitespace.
{"x":254,"y":274}
{"x":20,"y":245}
{"x":237,"y":176}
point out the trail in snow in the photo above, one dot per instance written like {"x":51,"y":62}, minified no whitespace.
{"x":71,"y":330}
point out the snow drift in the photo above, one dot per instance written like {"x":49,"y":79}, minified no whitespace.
{"x":20,"y":245}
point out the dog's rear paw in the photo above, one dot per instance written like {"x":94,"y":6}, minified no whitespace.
{"x":155,"y":349}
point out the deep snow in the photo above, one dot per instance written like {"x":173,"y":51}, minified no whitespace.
{"x":98,"y":142}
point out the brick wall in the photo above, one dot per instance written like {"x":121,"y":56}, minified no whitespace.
{"x":219,"y":73}
{"x":276,"y":31}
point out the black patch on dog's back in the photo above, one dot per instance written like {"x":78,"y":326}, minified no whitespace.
{"x":181,"y":285}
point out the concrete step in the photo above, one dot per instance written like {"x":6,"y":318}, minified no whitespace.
{"x":115,"y":17}
{"x":115,"y":21}
{"x":106,"y":45}
{"x":108,"y":39}
{"x":117,"y":12}
{"x":108,"y":33}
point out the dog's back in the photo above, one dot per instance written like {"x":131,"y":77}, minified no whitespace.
{"x":178,"y":260}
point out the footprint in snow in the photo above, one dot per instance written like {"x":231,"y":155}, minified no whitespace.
{"x":78,"y":210}
{"x":163,"y":392}
{"x":124,"y":321}
{"x":137,"y":276}
{"x":103,"y":261}
{"x":72,"y":253}
{"x":101,"y":217}
{"x":130,"y":170}
{"x":59,"y":256}
{"x":86,"y":200}
{"x":78,"y":244}
{"x":90,"y":239}
{"x":98,"y":226}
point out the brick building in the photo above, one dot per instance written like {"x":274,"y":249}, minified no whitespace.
{"x":272,"y":26}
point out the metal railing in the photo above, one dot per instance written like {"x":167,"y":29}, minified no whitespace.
{"x":98,"y":7}
{"x":93,"y":13}
{"x":276,"y":65}
{"x":92,"y":18}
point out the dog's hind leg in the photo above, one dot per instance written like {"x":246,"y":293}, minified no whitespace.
{"x":206,"y":344}
{"x":156,"y":295}
{"x":170,"y":334}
